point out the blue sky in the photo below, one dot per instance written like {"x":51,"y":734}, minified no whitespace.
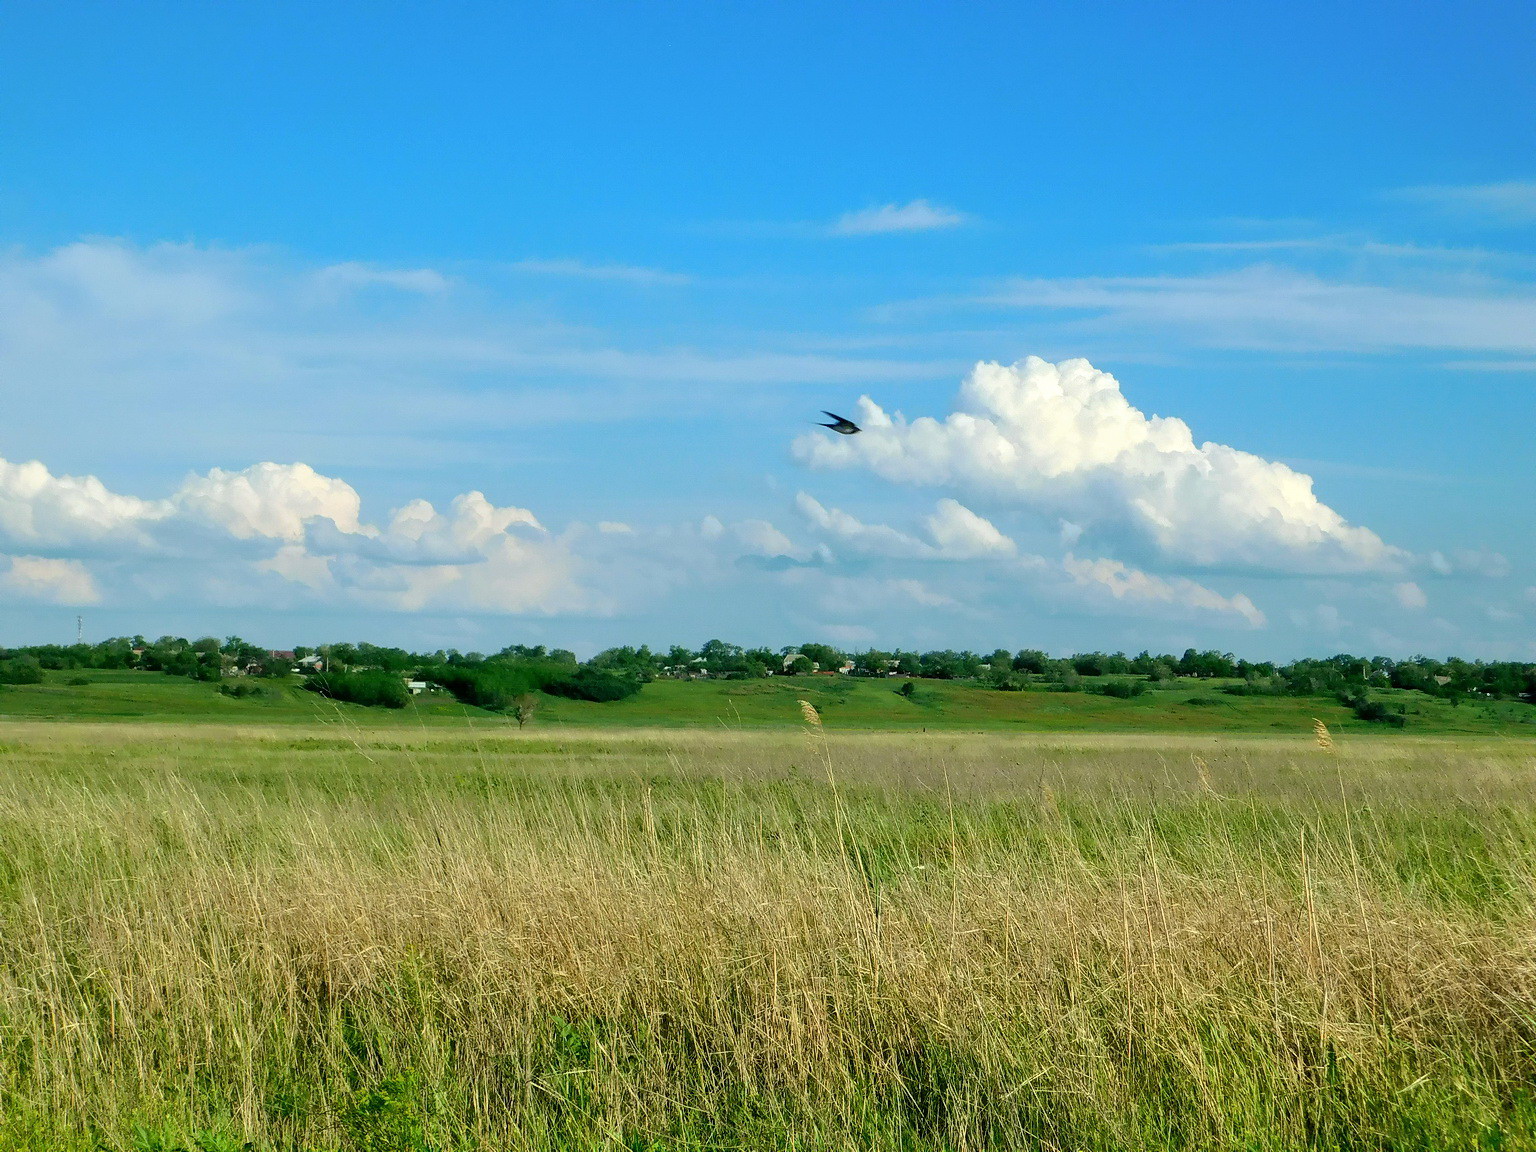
{"x":602,"y":264}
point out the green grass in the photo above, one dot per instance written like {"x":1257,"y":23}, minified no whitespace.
{"x":1188,"y":706}
{"x":333,"y":937}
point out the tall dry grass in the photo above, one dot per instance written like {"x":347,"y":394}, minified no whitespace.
{"x":483,"y":940}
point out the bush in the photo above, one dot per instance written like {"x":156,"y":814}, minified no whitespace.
{"x":592,"y":684}
{"x":1066,"y":680}
{"x":496,"y":686}
{"x":78,"y":681}
{"x":372,"y":689}
{"x":1121,"y":689}
{"x":1375,"y":712}
{"x":241,"y":689}
{"x":21,"y":670}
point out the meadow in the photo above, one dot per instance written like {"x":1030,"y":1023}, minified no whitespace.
{"x":331,"y":936}
{"x":1186,"y":705}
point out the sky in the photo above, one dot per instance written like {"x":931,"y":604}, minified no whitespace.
{"x":462,"y":325}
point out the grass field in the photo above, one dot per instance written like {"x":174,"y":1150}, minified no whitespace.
{"x":1188,"y":706}
{"x":332,"y":936}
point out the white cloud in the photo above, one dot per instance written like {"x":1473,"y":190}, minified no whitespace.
{"x":39,"y":509}
{"x":181,"y":351}
{"x":49,"y":581}
{"x":1135,"y":587}
{"x":954,"y":531}
{"x":281,"y":529}
{"x":1469,"y":562}
{"x":1062,"y":440}
{"x":581,"y":270}
{"x":1278,"y":308}
{"x":1511,"y":201}
{"x":1347,"y":245}
{"x":914,"y":216}
{"x":268,"y":500}
{"x":960,"y":534}
{"x":864,"y":539}
{"x":1410,"y":596}
{"x":356,"y":275}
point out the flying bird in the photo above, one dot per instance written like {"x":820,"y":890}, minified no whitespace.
{"x":840,"y":423}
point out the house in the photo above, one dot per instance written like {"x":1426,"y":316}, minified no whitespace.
{"x":417,"y":687}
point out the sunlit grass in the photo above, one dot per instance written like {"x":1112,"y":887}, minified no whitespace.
{"x":329,"y":938}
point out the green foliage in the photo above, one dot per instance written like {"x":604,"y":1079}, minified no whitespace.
{"x":1121,"y":689}
{"x":372,"y":689}
{"x":21,"y":670}
{"x":496,"y":685}
{"x":591,"y":684}
{"x":1372,"y":711}
{"x":387,"y":1117}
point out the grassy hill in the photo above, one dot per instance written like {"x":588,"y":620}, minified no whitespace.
{"x":844,"y":702}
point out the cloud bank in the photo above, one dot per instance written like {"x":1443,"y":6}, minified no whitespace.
{"x":277,"y":531}
{"x":1063,"y":441}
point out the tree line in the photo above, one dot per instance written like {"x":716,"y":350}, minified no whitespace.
{"x":373,"y":674}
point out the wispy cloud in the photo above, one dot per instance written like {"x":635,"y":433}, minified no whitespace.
{"x":1510,"y":201}
{"x":581,"y":270}
{"x":914,"y":216}
{"x":356,"y":275}
{"x":1341,"y":244}
{"x":1280,"y":308}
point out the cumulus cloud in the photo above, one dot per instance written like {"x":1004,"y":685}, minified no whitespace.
{"x":1063,"y":440}
{"x":286,"y":528}
{"x":914,"y":216}
{"x":48,"y":581}
{"x":954,"y":533}
{"x":1410,"y":596}
{"x":39,"y":509}
{"x":1134,"y":587}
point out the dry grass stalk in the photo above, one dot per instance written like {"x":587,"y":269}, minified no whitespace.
{"x":560,"y":947}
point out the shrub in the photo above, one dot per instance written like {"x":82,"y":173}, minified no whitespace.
{"x":241,"y":689}
{"x":21,"y":670}
{"x":1121,"y":689}
{"x":373,"y":689}
{"x":1066,"y":680}
{"x":496,"y":686}
{"x":1375,"y":712}
{"x":592,"y":684}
